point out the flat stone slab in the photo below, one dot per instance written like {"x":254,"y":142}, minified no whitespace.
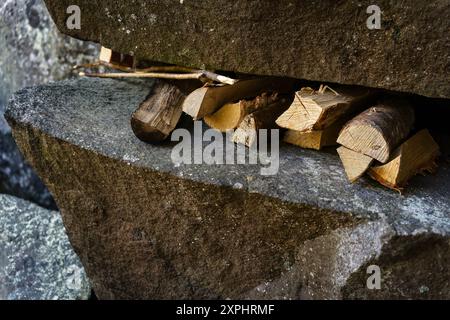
{"x":313,"y":40}
{"x":147,"y":228}
{"x":37,"y":261}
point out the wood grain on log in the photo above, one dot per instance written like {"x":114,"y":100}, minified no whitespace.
{"x":316,"y":110}
{"x":315,"y":139}
{"x":231,"y":115}
{"x":355,"y":163}
{"x":263,"y":118}
{"x":209,"y":99}
{"x":417,"y":154}
{"x":159,"y":114}
{"x":377,"y":131}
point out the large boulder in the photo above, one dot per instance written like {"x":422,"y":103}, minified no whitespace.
{"x":314,"y":40}
{"x":145,"y":227}
{"x":32,"y":51}
{"x":37,"y":261}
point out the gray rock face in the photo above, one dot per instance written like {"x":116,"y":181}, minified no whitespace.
{"x":147,"y":228}
{"x":313,"y":40}
{"x":37,"y":261}
{"x":17,"y":177}
{"x":32,"y":51}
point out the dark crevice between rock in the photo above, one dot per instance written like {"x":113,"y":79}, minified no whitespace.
{"x":17,"y":177}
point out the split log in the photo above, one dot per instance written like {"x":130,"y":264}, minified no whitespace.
{"x":355,"y":163}
{"x":231,"y":115}
{"x":263,"y":118}
{"x":316,"y":110}
{"x":377,"y":131}
{"x":418,"y":154}
{"x":209,"y":99}
{"x":159,"y":114}
{"x":315,"y":139}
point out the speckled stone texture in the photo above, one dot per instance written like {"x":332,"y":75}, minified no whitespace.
{"x":146,"y":228}
{"x":32,"y":52}
{"x":37,"y":261}
{"x":314,"y":40}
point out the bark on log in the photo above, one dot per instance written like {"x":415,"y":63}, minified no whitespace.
{"x":378,"y":131}
{"x":159,"y":114}
{"x":208,"y":100}
{"x":263,"y":118}
{"x":231,"y":115}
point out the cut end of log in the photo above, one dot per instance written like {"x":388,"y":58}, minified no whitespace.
{"x":297,"y":117}
{"x":378,"y":130}
{"x":158,"y":116}
{"x":355,"y":164}
{"x":316,"y":110}
{"x":247,"y":133}
{"x":367,"y":140}
{"x":193,"y":103}
{"x":417,"y":155}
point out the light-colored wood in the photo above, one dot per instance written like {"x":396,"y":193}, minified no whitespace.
{"x":355,"y":164}
{"x":159,"y":114}
{"x":377,"y":131}
{"x":316,"y":110}
{"x":161,"y":72}
{"x":209,"y":99}
{"x":263,"y":118}
{"x":416,"y":155}
{"x":115,"y":58}
{"x":105,"y":55}
{"x":315,"y":139}
{"x":202,"y":75}
{"x":127,"y":63}
{"x":231,"y":115}
{"x":156,"y":75}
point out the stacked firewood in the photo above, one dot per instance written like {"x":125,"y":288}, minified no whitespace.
{"x":246,"y":107}
{"x":375,"y":133}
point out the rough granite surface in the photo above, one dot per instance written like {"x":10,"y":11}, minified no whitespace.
{"x":32,"y":52}
{"x":313,"y":40}
{"x":146,"y":228}
{"x":37,"y":261}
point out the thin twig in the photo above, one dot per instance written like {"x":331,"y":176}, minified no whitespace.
{"x":100,"y":63}
{"x":217,"y":77}
{"x":155,"y":72}
{"x":177,"y":76}
{"x":198,"y":74}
